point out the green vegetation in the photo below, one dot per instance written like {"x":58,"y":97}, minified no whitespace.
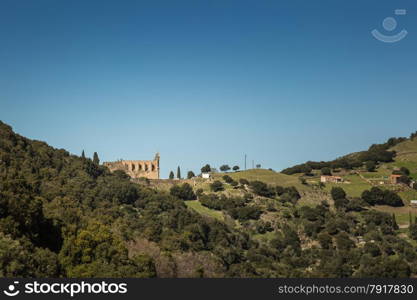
{"x":183,"y":192}
{"x":66,"y":216}
{"x":206,"y":169}
{"x":205,"y":211}
{"x":377,"y":196}
{"x":217,"y":186}
{"x":267,"y":176}
{"x":178,"y":172}
{"x":171,"y":175}
{"x":376,"y":153}
{"x":224,"y":168}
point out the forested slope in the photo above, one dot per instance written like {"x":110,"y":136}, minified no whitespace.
{"x":66,"y":216}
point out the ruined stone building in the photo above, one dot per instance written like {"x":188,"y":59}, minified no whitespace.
{"x":137,"y":168}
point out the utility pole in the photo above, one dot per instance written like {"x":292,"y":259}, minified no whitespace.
{"x":245,"y":161}
{"x":253,"y":164}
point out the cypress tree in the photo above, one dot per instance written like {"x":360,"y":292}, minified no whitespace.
{"x":96,"y":160}
{"x":394,"y":222}
{"x":178,"y":173}
{"x":171,"y":175}
{"x":83,"y":154}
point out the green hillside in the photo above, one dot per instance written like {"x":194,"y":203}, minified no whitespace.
{"x":62,"y":215}
{"x":407,"y":156}
{"x":358,"y":179}
{"x":267,"y":176}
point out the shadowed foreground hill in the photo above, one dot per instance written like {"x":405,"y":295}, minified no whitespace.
{"x":66,"y":216}
{"x":62,"y":215}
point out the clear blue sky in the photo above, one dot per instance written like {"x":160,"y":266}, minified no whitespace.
{"x":207,"y":81}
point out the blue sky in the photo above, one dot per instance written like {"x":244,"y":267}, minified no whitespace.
{"x":207,"y":81}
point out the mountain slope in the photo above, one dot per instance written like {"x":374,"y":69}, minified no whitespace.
{"x":65,"y":216}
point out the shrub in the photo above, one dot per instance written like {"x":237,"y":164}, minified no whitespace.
{"x":224,"y":168}
{"x":183,"y":192}
{"x":243,"y":181}
{"x":206,"y":168}
{"x":227,"y":179}
{"x":377,"y":196}
{"x":326,"y":171}
{"x":261,"y":189}
{"x":338,"y":193}
{"x":370,"y":166}
{"x":216,"y":186}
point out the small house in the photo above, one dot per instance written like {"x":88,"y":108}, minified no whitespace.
{"x":413,"y":203}
{"x":333,"y":179}
{"x":206,"y":175}
{"x":395,"y":178}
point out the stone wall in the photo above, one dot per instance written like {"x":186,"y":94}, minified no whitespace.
{"x":137,"y":168}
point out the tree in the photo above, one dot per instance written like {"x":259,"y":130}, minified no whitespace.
{"x":216,"y":186}
{"x":206,"y":169}
{"x":258,"y":166}
{"x":377,"y":196}
{"x":243,"y":181}
{"x":171,"y":175}
{"x":370,"y":166}
{"x":325,"y":240}
{"x":227,"y":179}
{"x":338,"y":193}
{"x":261,"y":188}
{"x":95,"y":251}
{"x":404,"y":179}
{"x":178,"y":173}
{"x":224,"y":168}
{"x":96,"y":160}
{"x":190,"y":174}
{"x":394,"y":223}
{"x":183,"y":192}
{"x":372,"y":249}
{"x":326,"y":171}
{"x":83,"y":154}
{"x":236,"y":168}
{"x":405,"y":171}
{"x":413,"y":231}
{"x":343,"y":241}
{"x":339,"y":197}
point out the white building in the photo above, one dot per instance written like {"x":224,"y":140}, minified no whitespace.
{"x":206,"y":175}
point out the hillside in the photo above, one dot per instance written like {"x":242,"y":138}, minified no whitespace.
{"x":407,"y":156}
{"x":62,"y":215}
{"x":267,"y":176}
{"x":356,"y":179}
{"x":65,"y":216}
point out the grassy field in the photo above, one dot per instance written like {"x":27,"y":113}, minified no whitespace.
{"x":406,"y":156}
{"x":198,"y":207}
{"x":353,"y":189}
{"x":267,"y":176}
{"x":402,"y":214}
